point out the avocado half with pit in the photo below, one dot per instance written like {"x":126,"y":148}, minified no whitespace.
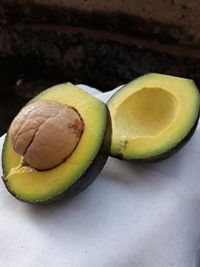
{"x":81,"y":167}
{"x":153,"y":116}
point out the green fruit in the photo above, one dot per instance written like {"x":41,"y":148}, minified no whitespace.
{"x":76,"y":172}
{"x":153,"y":116}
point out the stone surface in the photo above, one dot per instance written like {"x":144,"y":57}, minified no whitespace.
{"x":169,"y":21}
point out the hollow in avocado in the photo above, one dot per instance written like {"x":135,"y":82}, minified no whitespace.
{"x":56,"y":145}
{"x":153,"y":116}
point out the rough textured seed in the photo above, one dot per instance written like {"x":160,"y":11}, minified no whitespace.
{"x":46,"y":133}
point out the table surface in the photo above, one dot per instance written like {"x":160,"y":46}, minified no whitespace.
{"x":133,"y":215}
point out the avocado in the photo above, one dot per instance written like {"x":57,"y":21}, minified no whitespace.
{"x":81,"y":166}
{"x":153,"y":116}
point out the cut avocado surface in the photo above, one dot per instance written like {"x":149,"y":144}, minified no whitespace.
{"x":77,"y":171}
{"x":153,"y":116}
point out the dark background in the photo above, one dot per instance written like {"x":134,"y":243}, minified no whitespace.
{"x":43,"y":46}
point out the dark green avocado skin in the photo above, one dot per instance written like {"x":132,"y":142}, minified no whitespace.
{"x":89,"y":176}
{"x":167,"y":154}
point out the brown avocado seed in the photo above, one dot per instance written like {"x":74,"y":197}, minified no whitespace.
{"x":46,"y":133}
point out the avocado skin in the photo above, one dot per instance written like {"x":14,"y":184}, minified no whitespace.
{"x":87,"y":178}
{"x":167,"y":154}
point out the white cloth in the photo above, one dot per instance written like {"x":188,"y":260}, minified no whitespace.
{"x":133,"y":215}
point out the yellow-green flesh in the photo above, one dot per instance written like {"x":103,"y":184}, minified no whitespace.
{"x":152,"y":114}
{"x":31,"y":185}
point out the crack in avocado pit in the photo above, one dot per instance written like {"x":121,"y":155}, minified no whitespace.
{"x":36,"y":132}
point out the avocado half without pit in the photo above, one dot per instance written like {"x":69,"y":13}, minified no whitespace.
{"x":153,"y":116}
{"x":56,"y":145}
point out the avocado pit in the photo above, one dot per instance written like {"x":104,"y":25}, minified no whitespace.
{"x":46,"y":133}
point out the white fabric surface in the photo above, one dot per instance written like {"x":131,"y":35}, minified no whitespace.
{"x":133,"y":215}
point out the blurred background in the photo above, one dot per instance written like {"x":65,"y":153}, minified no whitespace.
{"x":46,"y":42}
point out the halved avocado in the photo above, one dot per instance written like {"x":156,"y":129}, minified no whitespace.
{"x":153,"y":116}
{"x":76,"y":172}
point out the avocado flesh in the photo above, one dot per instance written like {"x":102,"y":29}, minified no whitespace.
{"x":31,"y":185}
{"x":152,"y":115}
